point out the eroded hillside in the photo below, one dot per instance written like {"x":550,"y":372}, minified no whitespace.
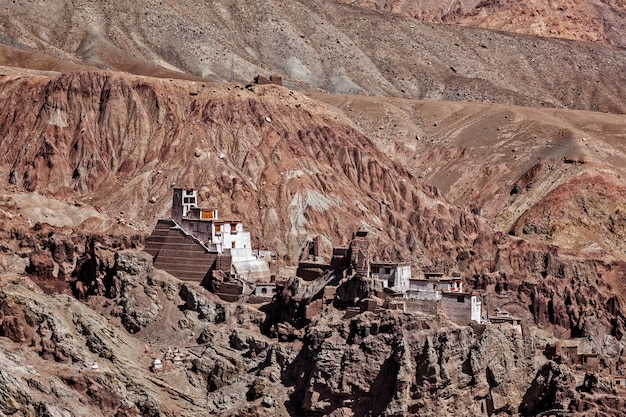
{"x":550,"y":175}
{"x":288,"y":166}
{"x":317,"y":44}
{"x":592,"y":21}
{"x":89,"y":161}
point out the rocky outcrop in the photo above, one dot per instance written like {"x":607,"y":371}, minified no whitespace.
{"x":377,"y":363}
{"x":133,"y":288}
{"x":289,"y":167}
{"x":50,"y":344}
{"x":16,"y":321}
{"x":402,"y":363}
{"x":207,"y":310}
{"x":304,"y":172}
{"x":548,"y":391}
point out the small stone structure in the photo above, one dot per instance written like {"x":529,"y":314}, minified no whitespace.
{"x":568,"y":354}
{"x":352,"y":312}
{"x":311,"y":265}
{"x":264,"y":290}
{"x":370,"y":304}
{"x":156,"y":365}
{"x":461,"y":308}
{"x":313,"y":308}
{"x":395,"y":305}
{"x":590,"y":361}
{"x":273,"y":79}
{"x":431,"y":307}
{"x":504,"y":317}
{"x":431,"y":283}
{"x":359,"y":254}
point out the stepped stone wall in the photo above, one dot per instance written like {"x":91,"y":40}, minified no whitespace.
{"x":181,"y":255}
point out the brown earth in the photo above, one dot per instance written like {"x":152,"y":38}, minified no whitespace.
{"x":288,"y":166}
{"x":90,"y":157}
{"x":291,"y":167}
{"x":318,"y":44}
{"x":599,"y":21}
{"x":551,"y":175}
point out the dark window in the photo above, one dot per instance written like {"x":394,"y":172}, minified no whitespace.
{"x":460,"y":299}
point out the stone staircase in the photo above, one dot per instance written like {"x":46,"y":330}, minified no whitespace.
{"x":179,"y":253}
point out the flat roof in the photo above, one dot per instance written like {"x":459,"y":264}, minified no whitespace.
{"x":456,"y":293}
{"x":445,"y":279}
{"x":212,"y":220}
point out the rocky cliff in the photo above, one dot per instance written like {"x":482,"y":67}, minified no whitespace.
{"x":287,"y":165}
{"x":214,"y":360}
{"x":401,"y":364}
{"x":89,"y":162}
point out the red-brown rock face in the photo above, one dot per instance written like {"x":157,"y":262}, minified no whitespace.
{"x":281,"y":162}
{"x":286,"y":165}
{"x":16,"y":321}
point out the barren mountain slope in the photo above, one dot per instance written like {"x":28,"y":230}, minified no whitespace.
{"x":601,"y":21}
{"x":89,"y":159}
{"x":320,"y":44}
{"x":89,"y":154}
{"x":552,"y":175}
{"x":286,"y":165}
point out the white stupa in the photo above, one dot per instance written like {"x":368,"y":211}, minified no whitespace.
{"x":157,"y":365}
